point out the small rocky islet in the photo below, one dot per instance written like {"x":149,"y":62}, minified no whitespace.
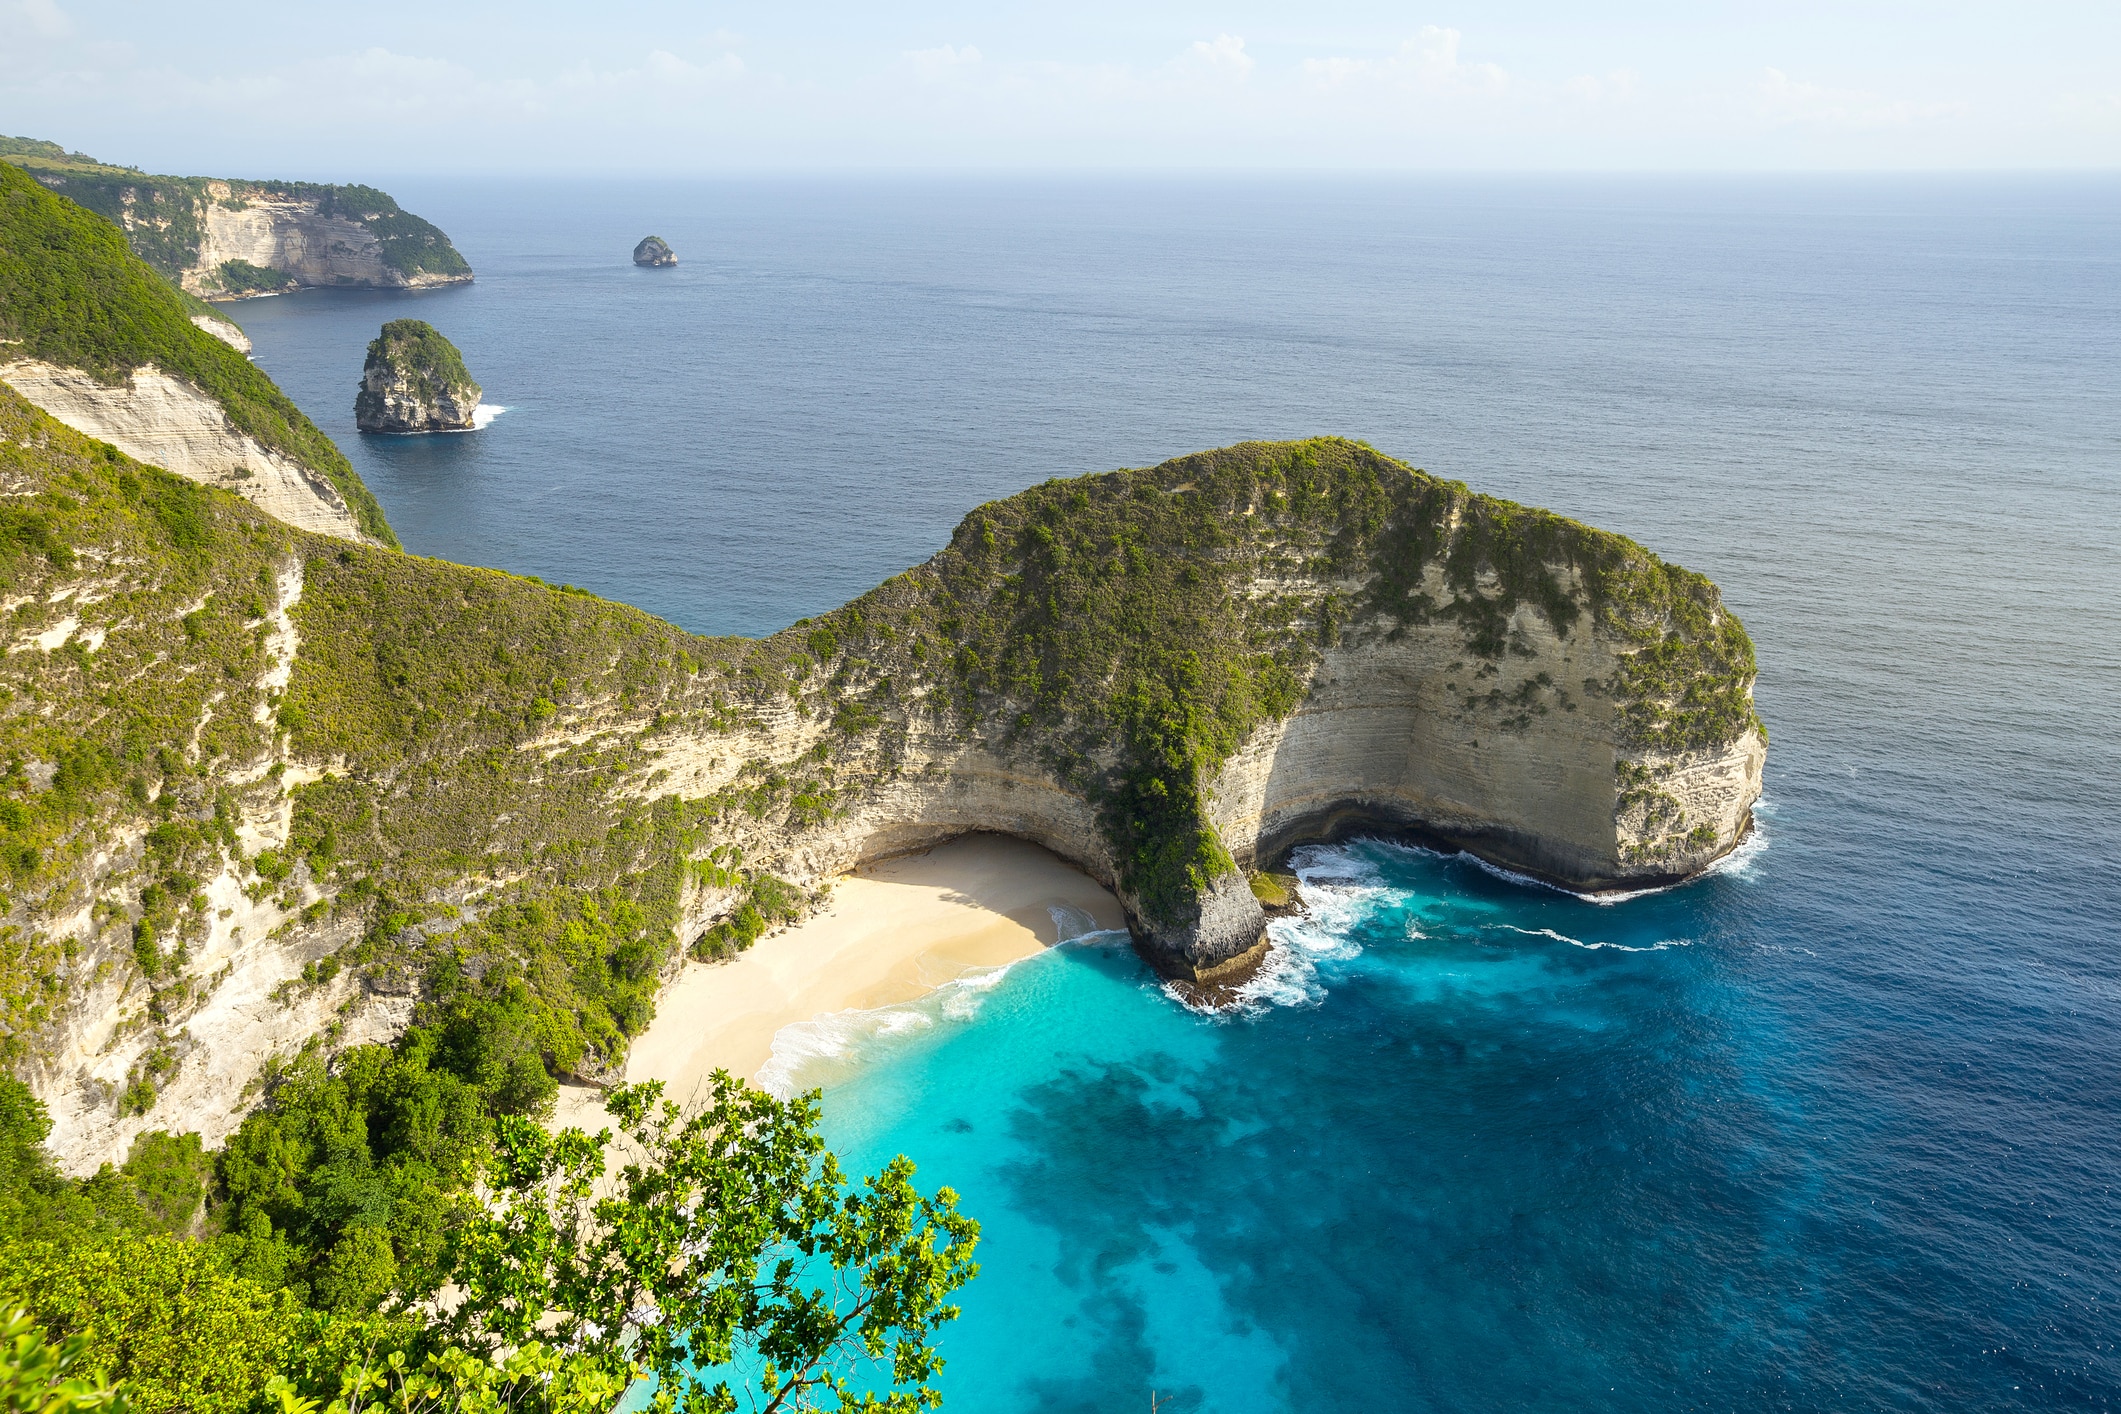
{"x":654,"y":251}
{"x":415,"y":381}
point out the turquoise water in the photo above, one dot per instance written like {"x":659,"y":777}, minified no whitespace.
{"x":1837,"y":1129}
{"x":1465,"y":1144}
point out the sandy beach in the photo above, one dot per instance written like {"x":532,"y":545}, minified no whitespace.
{"x":892,"y":931}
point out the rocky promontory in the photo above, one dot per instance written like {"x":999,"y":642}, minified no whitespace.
{"x":411,"y":775}
{"x":224,"y":238}
{"x":654,"y":250}
{"x":414,"y":381}
{"x":275,"y":785}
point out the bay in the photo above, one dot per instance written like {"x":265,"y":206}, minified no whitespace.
{"x":1845,"y":1133}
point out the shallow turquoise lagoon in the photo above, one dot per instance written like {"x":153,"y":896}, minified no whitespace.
{"x":1465,"y":1140}
{"x":1844,"y":1135}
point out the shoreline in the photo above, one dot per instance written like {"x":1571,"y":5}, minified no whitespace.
{"x":893,"y":931}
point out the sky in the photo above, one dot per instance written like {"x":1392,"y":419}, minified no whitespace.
{"x":293,"y":90}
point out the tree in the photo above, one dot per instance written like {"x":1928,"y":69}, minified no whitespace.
{"x":728,"y":1251}
{"x":162,"y":1313}
{"x":39,"y":1378}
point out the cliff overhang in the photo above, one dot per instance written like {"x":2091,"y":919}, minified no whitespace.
{"x":269,"y":777}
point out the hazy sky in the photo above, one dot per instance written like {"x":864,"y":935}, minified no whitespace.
{"x":385,"y":86}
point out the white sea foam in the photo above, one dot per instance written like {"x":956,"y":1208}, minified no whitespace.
{"x":1338,"y":887}
{"x":1740,"y":861}
{"x":840,"y":1037}
{"x":834,"y":1037}
{"x":1659,"y":946}
{"x":1071,"y":923}
{"x":485,"y":413}
{"x":801,"y":1044}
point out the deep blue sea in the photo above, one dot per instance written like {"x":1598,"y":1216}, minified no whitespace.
{"x":1836,"y":1128}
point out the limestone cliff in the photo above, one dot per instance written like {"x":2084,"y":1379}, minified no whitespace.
{"x":94,"y":337}
{"x":170,"y":423}
{"x":263,"y":782}
{"x":654,"y":250}
{"x":1168,"y":675}
{"x":228,"y":333}
{"x":229,"y":239}
{"x":414,"y":381}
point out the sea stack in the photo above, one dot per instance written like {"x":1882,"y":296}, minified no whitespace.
{"x":654,"y":250}
{"x":414,"y":381}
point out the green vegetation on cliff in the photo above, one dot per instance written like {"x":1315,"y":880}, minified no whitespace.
{"x":412,"y":375}
{"x":72,"y":294}
{"x":411,"y":245}
{"x":240,"y":277}
{"x":1134,"y":627}
{"x":102,"y":728}
{"x":476,"y":819}
{"x":433,"y":686}
{"x":163,"y":217}
{"x":488,"y":826}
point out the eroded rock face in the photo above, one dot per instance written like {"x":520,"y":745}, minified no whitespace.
{"x":1166,"y":675}
{"x":1172,"y":675}
{"x":1521,"y":759}
{"x":167,"y":422}
{"x":415,"y":381}
{"x":654,"y":250}
{"x":225,"y":331}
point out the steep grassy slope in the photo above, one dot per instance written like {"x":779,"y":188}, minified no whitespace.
{"x":72,"y":294}
{"x":141,"y":728}
{"x":446,"y":790}
{"x":1132,"y":628}
{"x":478,"y":798}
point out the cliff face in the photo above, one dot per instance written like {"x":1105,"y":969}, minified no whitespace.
{"x":223,"y":330}
{"x":262,"y":782}
{"x":414,"y":380}
{"x":228,"y":239}
{"x":311,"y":238}
{"x":94,"y":337}
{"x":1196,"y":666}
{"x":170,"y":423}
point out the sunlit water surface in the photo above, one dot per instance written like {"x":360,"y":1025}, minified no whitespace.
{"x":1837,"y":1128}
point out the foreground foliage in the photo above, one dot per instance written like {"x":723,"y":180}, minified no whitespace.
{"x":731,"y":1262}
{"x":39,"y":1378}
{"x":731,"y":1222}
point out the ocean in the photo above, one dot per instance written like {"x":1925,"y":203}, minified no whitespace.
{"x":1837,"y":1127}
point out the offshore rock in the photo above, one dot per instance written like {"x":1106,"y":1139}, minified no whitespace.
{"x":415,"y":381}
{"x":1226,"y":940}
{"x":654,"y":250}
{"x":90,"y":334}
